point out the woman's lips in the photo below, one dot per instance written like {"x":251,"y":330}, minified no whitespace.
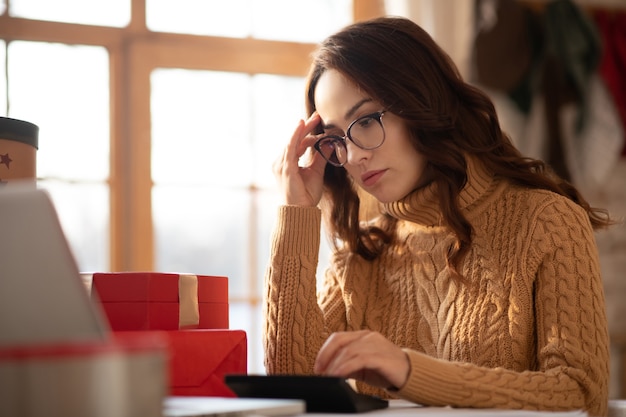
{"x":371,"y":177}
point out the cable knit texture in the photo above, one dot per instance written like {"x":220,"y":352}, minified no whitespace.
{"x":526,"y":329}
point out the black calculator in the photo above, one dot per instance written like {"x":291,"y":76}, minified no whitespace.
{"x":322,"y":394}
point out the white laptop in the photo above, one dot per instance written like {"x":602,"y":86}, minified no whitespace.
{"x":44,"y":300}
{"x":38,"y":274}
{"x":218,"y":407}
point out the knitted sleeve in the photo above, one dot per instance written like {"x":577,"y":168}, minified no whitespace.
{"x":295,"y":327}
{"x":571,"y":358}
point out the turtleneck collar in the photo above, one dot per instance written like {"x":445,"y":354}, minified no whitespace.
{"x":422,"y":207}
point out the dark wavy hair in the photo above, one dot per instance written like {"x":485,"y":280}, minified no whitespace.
{"x":398,"y":64}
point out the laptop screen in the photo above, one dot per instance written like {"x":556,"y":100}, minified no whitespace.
{"x":42,"y":297}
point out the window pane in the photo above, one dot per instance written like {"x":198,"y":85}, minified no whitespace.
{"x":270,"y":19}
{"x":278,"y":105}
{"x":203,"y":230}
{"x":83,"y":211}
{"x":201,"y":127}
{"x":64,"y":90}
{"x":299,"y":20}
{"x":114,"y":13}
{"x":230,"y":18}
{"x":249,"y":317}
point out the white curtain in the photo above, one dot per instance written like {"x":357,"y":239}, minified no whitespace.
{"x":449,"y":22}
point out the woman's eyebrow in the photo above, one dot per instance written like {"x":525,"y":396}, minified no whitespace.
{"x":349,"y":114}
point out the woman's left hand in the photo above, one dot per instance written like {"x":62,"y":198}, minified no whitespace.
{"x":366,"y":356}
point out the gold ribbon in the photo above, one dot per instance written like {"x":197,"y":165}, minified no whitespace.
{"x":189,"y":312}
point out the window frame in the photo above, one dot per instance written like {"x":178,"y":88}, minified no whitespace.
{"x":134,"y":51}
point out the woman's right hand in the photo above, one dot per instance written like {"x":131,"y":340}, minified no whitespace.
{"x":301,"y":185}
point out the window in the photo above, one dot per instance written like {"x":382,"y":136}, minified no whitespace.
{"x":157,"y":147}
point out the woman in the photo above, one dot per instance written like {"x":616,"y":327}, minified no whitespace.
{"x":476,"y":285}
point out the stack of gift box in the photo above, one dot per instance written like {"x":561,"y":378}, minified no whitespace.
{"x":58,"y":357}
{"x":190,"y":312}
{"x":148,"y":336}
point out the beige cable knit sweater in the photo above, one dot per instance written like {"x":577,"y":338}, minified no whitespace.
{"x":527,"y":330}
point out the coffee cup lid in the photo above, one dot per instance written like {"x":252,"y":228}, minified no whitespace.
{"x":20,"y":131}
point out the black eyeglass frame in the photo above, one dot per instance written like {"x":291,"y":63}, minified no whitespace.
{"x":378,"y":116}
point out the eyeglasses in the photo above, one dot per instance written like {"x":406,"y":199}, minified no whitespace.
{"x":366,"y":132}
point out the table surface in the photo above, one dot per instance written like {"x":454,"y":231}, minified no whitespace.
{"x":259,"y":407}
{"x":401,"y":408}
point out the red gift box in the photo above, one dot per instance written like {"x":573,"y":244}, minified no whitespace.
{"x":199,"y":360}
{"x":162,"y":301}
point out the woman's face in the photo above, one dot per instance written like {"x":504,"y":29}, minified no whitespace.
{"x":389,"y":172}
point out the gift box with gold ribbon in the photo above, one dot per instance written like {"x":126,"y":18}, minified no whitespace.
{"x":162,"y":301}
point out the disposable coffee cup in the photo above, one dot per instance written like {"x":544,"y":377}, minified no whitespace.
{"x":19,"y":141}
